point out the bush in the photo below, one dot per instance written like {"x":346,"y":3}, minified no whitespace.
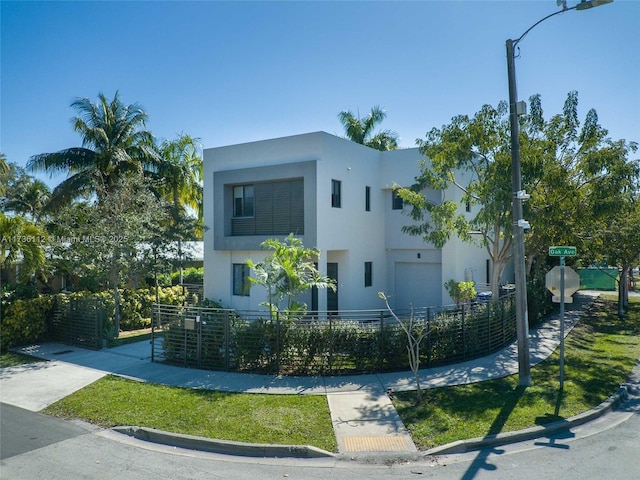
{"x":25,"y":321}
{"x":189,"y":275}
{"x":461,"y":292}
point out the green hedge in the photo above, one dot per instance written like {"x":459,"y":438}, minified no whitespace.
{"x":25,"y":321}
{"x":223,"y":340}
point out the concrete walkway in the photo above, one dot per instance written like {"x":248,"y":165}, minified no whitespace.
{"x":363,"y":416}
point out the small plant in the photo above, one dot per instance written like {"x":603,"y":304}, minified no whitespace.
{"x":461,"y":292}
{"x":416,"y":333}
{"x":287,"y":273}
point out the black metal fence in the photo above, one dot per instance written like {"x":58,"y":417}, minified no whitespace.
{"x":78,"y":321}
{"x":327,"y":343}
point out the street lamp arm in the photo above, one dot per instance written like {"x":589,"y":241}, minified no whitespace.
{"x":565,"y":9}
{"x":583,"y":5}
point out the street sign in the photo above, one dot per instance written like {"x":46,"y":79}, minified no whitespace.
{"x":563,"y":251}
{"x":571,"y":283}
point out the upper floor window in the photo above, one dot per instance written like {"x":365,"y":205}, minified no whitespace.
{"x":243,"y":201}
{"x":367,"y":199}
{"x":467,"y":205}
{"x":335,"y":193}
{"x":396,"y":201}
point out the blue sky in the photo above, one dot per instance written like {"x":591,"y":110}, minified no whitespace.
{"x":233,"y":72}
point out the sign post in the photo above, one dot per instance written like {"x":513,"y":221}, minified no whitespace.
{"x":550,"y":280}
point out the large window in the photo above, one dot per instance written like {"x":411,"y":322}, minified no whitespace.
{"x":268,"y":208}
{"x":368,"y":274}
{"x":396,"y":201}
{"x":241,"y":279}
{"x":243,"y":201}
{"x":335,"y":193}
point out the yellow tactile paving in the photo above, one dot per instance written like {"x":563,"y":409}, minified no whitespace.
{"x":388,"y":443}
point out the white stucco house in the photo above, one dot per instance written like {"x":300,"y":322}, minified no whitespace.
{"x":336,"y":195}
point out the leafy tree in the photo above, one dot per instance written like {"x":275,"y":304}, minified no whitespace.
{"x":287,"y":273}
{"x":574,"y":176}
{"x":105,"y":240}
{"x":360,"y":130}
{"x":476,"y":148}
{"x":615,"y":241}
{"x":115,"y":142}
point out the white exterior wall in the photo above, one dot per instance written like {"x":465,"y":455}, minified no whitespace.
{"x":349,"y":235}
{"x":404,"y":267}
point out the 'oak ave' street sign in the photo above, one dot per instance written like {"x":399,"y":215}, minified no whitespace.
{"x":563,"y":251}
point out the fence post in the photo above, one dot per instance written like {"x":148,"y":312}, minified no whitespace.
{"x":227,"y":330}
{"x":278,"y":343}
{"x":154,"y":316}
{"x":464,"y":336}
{"x":489,"y":325}
{"x":428,"y":336}
{"x":199,"y":339}
{"x":331,"y":343}
{"x":381,"y":347}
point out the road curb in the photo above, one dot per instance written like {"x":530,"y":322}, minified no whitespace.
{"x":473,"y":444}
{"x":226,"y":447}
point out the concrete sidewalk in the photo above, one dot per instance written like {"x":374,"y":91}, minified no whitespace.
{"x":363,"y":416}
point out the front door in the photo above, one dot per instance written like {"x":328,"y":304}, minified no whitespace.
{"x":332,"y":296}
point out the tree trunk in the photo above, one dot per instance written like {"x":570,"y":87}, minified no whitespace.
{"x":621,"y":289}
{"x":116,"y":293}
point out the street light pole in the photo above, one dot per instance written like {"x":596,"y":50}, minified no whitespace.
{"x":519,"y":224}
{"x":522,"y":316}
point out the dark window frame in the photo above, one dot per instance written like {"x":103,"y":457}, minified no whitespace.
{"x":367,"y":199}
{"x":336,"y":193}
{"x":241,"y":284}
{"x":368,"y":274}
{"x":397,"y":203}
{"x":243,"y":205}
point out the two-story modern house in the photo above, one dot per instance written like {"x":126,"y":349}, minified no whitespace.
{"x":337,"y":196}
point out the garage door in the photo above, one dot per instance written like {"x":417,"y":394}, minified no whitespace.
{"x":418,"y":284}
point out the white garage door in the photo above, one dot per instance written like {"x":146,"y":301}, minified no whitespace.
{"x":418,"y":284}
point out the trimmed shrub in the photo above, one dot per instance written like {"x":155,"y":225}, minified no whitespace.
{"x":25,"y":321}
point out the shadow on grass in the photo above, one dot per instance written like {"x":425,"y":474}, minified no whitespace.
{"x":481,"y":461}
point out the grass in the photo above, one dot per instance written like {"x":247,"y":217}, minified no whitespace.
{"x":600,"y":353}
{"x":131,"y":337}
{"x":11,"y":359}
{"x":256,"y":418}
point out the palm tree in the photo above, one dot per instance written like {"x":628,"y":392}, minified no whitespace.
{"x":115,"y":142}
{"x":360,"y":130}
{"x":287,"y":273}
{"x":179,"y":172}
{"x":20,"y":243}
{"x":29,"y":196}
{"x":4,"y":171}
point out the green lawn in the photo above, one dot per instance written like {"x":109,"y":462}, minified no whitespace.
{"x":283,"y":419}
{"x":11,"y":359}
{"x":600,"y":353}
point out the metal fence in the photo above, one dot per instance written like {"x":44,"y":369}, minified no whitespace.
{"x":327,"y":343}
{"x":78,"y":321}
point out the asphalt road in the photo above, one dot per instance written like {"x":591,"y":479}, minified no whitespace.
{"x":36,"y":447}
